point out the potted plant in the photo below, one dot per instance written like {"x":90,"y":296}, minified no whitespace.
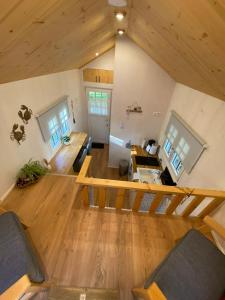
{"x":30,"y":173}
{"x":66,"y":140}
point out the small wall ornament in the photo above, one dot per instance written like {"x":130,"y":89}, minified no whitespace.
{"x":18,"y":135}
{"x":25,"y":114}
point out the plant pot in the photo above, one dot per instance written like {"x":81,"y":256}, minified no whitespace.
{"x":23,"y":182}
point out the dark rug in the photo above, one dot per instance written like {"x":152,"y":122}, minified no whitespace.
{"x":98,"y":145}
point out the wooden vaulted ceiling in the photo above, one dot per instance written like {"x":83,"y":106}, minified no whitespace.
{"x":185,"y":37}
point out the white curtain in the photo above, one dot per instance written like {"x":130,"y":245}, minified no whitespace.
{"x":48,"y":114}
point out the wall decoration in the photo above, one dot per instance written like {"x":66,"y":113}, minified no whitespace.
{"x":134,"y":108}
{"x":25,"y":114}
{"x":18,"y":135}
{"x":72,"y":108}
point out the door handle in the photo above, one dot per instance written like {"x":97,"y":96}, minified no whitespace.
{"x":99,"y":80}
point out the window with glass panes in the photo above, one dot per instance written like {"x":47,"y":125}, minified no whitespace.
{"x":54,"y":129}
{"x":170,"y":138}
{"x":64,"y":120}
{"x":179,"y":155}
{"x":98,"y":103}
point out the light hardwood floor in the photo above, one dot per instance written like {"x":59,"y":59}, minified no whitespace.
{"x":92,"y":247}
{"x":99,"y":165}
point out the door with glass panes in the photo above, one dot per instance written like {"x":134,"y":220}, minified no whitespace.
{"x":99,"y":103}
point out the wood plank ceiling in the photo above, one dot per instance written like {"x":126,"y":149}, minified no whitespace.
{"x":187,"y":38}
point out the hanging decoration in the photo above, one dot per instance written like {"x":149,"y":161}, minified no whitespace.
{"x":25,"y":114}
{"x":134,"y":108}
{"x":72,"y":108}
{"x":18,"y":135}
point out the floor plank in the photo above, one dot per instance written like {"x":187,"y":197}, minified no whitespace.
{"x":92,"y":248}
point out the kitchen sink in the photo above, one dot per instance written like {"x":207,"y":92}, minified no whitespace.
{"x":147,"y":161}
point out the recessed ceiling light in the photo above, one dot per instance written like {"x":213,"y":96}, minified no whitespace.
{"x":120,"y":16}
{"x":118,"y":3}
{"x":96,"y":54}
{"x":121,"y":31}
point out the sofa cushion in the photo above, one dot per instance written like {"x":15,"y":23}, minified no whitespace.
{"x":194,"y":269}
{"x":17,"y":256}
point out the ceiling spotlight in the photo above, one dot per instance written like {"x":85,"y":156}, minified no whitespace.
{"x":121,"y":31}
{"x":120,"y":16}
{"x":96,"y":54}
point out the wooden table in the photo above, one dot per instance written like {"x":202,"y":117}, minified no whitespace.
{"x":62,"y":162}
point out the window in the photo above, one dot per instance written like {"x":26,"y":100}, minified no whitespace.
{"x":54,"y":122}
{"x":98,"y":103}
{"x":171,"y":136}
{"x":179,"y":155}
{"x":182,"y":146}
{"x":54,"y":132}
{"x":64,"y":120}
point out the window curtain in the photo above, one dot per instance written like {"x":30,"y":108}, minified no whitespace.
{"x":196,"y":143}
{"x":48,"y":114}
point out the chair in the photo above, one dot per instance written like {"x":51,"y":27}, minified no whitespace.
{"x":193,"y":270}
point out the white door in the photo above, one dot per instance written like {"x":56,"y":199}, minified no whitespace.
{"x":99,"y":102}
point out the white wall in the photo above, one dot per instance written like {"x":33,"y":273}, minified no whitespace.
{"x":206,"y":115}
{"x":36,"y":93}
{"x":137,"y":78}
{"x":105,"y":61}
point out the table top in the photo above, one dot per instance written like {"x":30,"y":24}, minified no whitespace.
{"x":63,"y":161}
{"x":137,"y":150}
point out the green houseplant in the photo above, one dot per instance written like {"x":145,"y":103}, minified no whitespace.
{"x":30,"y":173}
{"x":66,"y":140}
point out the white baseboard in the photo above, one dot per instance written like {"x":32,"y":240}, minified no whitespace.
{"x":2,"y":198}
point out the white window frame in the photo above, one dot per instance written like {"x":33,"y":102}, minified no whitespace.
{"x":103,"y":110}
{"x":55,"y":133}
{"x":64,"y":121}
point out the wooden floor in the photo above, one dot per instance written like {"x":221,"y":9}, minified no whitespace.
{"x":92,"y":248}
{"x":99,"y":165}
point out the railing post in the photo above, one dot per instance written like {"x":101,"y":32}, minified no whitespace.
{"x":120,"y":198}
{"x":137,"y":201}
{"x":85,"y":196}
{"x":156,"y":202}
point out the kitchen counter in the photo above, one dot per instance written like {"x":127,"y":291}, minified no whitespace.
{"x":139,"y":151}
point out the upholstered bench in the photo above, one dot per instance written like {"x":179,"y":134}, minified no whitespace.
{"x":193,"y":270}
{"x":17,"y":255}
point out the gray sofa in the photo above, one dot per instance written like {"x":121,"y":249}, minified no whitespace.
{"x":193,"y":270}
{"x":17,"y":255}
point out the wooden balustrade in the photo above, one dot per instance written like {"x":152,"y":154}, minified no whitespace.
{"x":174,"y":196}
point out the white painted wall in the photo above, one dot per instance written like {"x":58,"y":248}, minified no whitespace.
{"x":137,"y":78}
{"x":206,"y":115}
{"x":105,"y":61}
{"x":37,"y":93}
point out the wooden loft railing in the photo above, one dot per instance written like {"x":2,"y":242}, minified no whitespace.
{"x":200,"y":201}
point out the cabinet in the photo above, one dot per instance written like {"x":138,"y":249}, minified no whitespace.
{"x":98,"y":75}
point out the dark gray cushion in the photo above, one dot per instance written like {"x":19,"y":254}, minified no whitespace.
{"x":194,"y":270}
{"x":17,"y":256}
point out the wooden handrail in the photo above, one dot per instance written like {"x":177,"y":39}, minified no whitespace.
{"x":17,"y":290}
{"x":152,"y":293}
{"x":178,"y":194}
{"x":215,"y":226}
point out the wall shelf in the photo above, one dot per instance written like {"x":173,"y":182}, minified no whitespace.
{"x":133,"y":111}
